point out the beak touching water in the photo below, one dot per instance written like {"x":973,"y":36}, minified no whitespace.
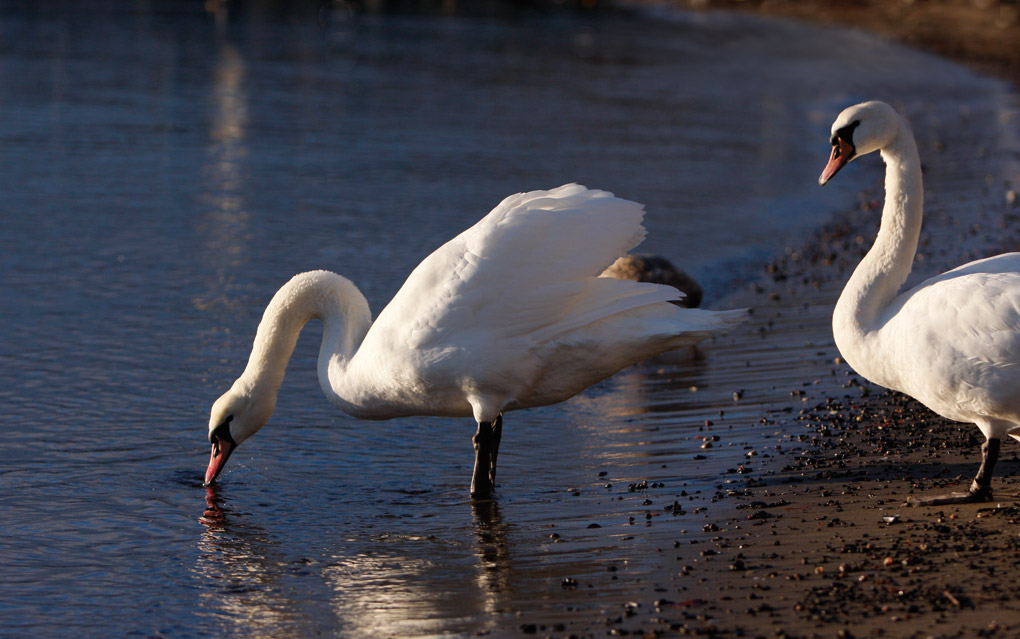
{"x":842,"y":152}
{"x":222,"y":445}
{"x":221,"y":450}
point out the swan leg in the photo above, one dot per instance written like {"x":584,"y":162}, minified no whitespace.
{"x":980,"y":488}
{"x":497,"y":434}
{"x":481,"y":479}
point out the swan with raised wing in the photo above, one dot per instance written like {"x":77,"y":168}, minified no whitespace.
{"x":953,"y":341}
{"x":509,"y":314}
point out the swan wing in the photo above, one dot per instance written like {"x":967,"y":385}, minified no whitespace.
{"x":978,"y":303}
{"x":960,"y":331}
{"x":527,"y":270}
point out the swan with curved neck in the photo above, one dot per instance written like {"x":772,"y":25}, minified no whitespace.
{"x":510,"y":314}
{"x":953,"y":341}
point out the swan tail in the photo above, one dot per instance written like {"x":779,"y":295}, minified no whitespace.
{"x":558,"y":308}
{"x":682,"y":327}
{"x":636,"y":309}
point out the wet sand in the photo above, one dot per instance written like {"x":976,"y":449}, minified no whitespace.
{"x":816,"y":539}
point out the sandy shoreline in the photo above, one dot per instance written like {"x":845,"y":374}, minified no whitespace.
{"x":818,"y":542}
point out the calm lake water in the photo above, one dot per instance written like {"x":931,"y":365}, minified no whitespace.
{"x":163,"y":170}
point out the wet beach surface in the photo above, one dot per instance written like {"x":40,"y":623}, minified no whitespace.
{"x":145,"y":235}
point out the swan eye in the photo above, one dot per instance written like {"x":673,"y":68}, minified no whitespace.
{"x":222,"y":432}
{"x":845,"y":135}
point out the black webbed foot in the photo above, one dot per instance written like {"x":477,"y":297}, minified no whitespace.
{"x":980,"y":489}
{"x":976,"y":495}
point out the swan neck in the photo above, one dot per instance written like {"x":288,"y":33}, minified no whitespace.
{"x":321,"y":295}
{"x":878,"y":278}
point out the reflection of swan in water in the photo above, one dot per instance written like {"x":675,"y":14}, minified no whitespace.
{"x":393,"y":591}
{"x":493,"y":550}
{"x":508,"y":315}
{"x":391,"y":584}
{"x":237,"y":561}
{"x":657,"y":386}
{"x":406,"y":585}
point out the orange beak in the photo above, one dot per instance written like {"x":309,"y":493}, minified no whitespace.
{"x":842,"y":152}
{"x":221,"y":449}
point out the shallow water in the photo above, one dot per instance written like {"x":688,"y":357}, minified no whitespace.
{"x":163,"y":171}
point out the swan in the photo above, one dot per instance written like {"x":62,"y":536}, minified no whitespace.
{"x":951,"y":342}
{"x":507,"y":315}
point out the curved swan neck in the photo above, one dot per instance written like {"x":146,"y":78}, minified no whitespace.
{"x":321,"y":295}
{"x":877,"y":279}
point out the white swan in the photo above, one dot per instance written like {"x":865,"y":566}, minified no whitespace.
{"x":953,"y":341}
{"x":507,"y":315}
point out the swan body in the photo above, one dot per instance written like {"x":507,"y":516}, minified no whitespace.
{"x":510,"y":314}
{"x":953,"y":341}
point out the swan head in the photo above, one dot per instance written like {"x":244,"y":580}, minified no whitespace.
{"x":859,"y":130}
{"x":235,"y":416}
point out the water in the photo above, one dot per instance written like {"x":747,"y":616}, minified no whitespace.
{"x":164,"y":170}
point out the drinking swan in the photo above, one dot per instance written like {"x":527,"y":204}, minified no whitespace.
{"x":507,"y":315}
{"x":953,"y":341}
